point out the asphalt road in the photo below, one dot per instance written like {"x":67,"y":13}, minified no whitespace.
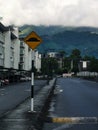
{"x":76,"y":98}
{"x":13,"y":95}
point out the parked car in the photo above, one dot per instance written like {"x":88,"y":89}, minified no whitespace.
{"x":4,"y":82}
{"x":1,"y":82}
{"x":24,"y":78}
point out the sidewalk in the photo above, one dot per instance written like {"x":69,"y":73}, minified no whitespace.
{"x":21,"y":118}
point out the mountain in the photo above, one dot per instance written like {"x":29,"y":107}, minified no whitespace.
{"x":65,"y":38}
{"x":41,"y":30}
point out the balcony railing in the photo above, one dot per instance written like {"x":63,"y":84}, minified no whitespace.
{"x":21,"y":52}
{"x":22,"y":45}
{"x":1,"y":50}
{"x":1,"y":37}
{"x":1,"y":62}
{"x":12,"y":64}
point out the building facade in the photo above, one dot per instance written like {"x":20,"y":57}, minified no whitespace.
{"x":58,"y":56}
{"x":9,"y":50}
{"x":25,"y":56}
{"x":15,"y":55}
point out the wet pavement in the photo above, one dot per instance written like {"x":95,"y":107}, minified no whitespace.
{"x":14,"y":94}
{"x":74,"y":98}
{"x":21,"y":118}
{"x":16,"y":119}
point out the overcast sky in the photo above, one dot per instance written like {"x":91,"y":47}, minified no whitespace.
{"x":50,"y":12}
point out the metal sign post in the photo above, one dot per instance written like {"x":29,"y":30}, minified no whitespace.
{"x":32,"y":84}
{"x":32,"y":40}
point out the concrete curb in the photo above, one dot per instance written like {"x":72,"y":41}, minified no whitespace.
{"x":38,"y":117}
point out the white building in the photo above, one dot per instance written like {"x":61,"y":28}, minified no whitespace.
{"x":12,"y":50}
{"x":2,"y":42}
{"x":15,"y":55}
{"x":58,"y":56}
{"x":37,"y":60}
{"x":52,"y":54}
{"x":9,"y":47}
{"x":25,"y":56}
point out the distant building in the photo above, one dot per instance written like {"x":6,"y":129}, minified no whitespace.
{"x":58,"y":56}
{"x":52,"y":54}
{"x":84,"y":65}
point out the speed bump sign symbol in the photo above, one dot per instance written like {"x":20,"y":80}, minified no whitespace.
{"x":32,"y":40}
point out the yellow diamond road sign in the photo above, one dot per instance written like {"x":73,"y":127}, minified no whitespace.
{"x":32,"y":40}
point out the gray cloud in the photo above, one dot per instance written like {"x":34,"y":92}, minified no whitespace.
{"x":50,"y":12}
